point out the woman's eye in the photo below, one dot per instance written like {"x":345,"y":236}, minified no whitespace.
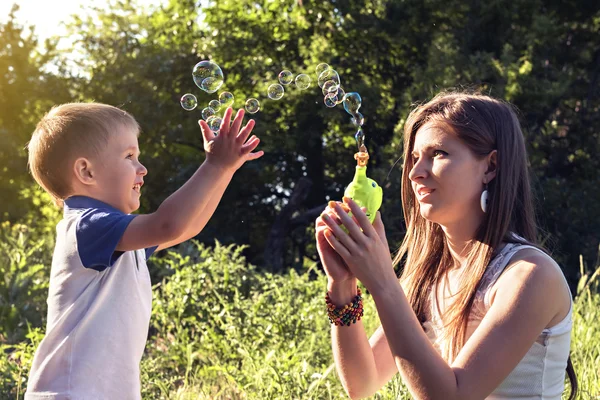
{"x":439,"y":152}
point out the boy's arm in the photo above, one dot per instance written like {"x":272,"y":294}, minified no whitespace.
{"x":203,"y":217}
{"x":176,"y":215}
{"x":185,"y":212}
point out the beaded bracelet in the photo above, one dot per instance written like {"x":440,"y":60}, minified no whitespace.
{"x":345,"y":315}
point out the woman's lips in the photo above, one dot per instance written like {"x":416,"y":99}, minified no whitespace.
{"x":424,"y":193}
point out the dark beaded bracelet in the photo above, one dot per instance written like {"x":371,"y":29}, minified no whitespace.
{"x":347,"y":314}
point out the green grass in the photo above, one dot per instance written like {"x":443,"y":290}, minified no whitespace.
{"x":221,"y":329}
{"x":276,"y":338}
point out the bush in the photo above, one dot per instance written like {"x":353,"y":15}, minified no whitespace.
{"x":221,"y":329}
{"x":14,"y":368}
{"x":24,"y":272}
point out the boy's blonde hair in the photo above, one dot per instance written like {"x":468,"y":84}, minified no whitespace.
{"x":67,"y":132}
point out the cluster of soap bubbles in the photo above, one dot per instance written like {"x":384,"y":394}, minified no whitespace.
{"x":285,"y":77}
{"x":352,"y":102}
{"x":330,"y":84}
{"x":334,"y":94}
{"x":208,"y":76}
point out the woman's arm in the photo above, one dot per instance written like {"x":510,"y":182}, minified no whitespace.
{"x":520,"y":311}
{"x":363,"y":365}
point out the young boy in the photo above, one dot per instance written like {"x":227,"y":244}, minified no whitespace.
{"x":86,"y":157}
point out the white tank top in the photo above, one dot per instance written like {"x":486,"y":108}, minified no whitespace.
{"x":541,"y":372}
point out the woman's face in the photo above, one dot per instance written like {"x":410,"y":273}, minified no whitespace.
{"x":447,"y":179}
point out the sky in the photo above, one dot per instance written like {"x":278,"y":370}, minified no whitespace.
{"x":48,"y":15}
{"x":49,"y":18}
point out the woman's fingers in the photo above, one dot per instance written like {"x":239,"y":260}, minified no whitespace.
{"x":341,"y":236}
{"x":336,"y":244}
{"x":361,"y":217}
{"x":349,"y":223}
{"x":380,"y":229}
{"x":331,"y":213}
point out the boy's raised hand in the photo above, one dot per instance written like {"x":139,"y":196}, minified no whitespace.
{"x":229,"y":149}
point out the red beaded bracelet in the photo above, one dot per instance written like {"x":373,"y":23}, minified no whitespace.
{"x":347,"y":314}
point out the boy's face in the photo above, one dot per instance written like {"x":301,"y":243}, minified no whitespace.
{"x":120,"y":175}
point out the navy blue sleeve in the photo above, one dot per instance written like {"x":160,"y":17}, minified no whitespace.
{"x":98,"y":233}
{"x":150,"y":251}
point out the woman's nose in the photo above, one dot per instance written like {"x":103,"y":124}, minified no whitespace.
{"x":418,"y":171}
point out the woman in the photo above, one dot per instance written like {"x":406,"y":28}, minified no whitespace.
{"x":480,"y":311}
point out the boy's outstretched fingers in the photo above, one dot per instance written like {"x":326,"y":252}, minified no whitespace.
{"x":251,"y":145}
{"x":245,"y":132}
{"x":207,"y":133}
{"x":237,"y":122}
{"x":225,"y":124}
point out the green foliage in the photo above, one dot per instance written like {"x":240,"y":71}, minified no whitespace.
{"x":585,"y":339}
{"x":218,"y":320}
{"x":220,"y":329}
{"x":540,"y":56}
{"x":14,"y":368}
{"x":27,"y":91}
{"x":24,"y":274}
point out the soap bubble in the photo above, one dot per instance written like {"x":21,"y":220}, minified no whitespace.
{"x":330,"y":100}
{"x":188,"y":102}
{"x":215,"y":105}
{"x":340,"y":94}
{"x":275,"y":91}
{"x":208,"y":112}
{"x":214,"y":123}
{"x":286,"y":77}
{"x":358,"y":119}
{"x":208,"y":76}
{"x":226,"y":99}
{"x":352,"y":103}
{"x":302,"y":81}
{"x":328,"y":75}
{"x":330,"y":87}
{"x":360,"y":137}
{"x":321,"y":68}
{"x":252,"y":105}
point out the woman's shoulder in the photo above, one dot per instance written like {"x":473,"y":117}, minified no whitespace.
{"x":533,"y":272}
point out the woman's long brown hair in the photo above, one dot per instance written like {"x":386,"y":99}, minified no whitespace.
{"x":484,"y":124}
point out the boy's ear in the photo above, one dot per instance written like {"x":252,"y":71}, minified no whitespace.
{"x":83,"y":171}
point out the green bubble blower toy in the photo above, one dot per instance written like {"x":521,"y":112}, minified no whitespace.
{"x":363,"y":190}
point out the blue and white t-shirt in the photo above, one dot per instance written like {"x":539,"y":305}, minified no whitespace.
{"x":99,"y":306}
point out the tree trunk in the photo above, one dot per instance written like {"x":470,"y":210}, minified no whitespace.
{"x":275,"y":247}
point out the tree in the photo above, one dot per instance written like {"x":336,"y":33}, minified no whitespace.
{"x":27,"y":90}
{"x":541,"y":56}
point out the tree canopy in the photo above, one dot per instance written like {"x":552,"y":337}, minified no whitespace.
{"x":542,"y":56}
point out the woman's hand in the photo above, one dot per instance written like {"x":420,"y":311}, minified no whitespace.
{"x":364,"y":248}
{"x":336,"y":269}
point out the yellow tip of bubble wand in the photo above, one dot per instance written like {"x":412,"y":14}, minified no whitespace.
{"x":363,"y":190}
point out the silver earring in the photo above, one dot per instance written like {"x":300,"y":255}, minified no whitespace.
{"x":484,"y":199}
